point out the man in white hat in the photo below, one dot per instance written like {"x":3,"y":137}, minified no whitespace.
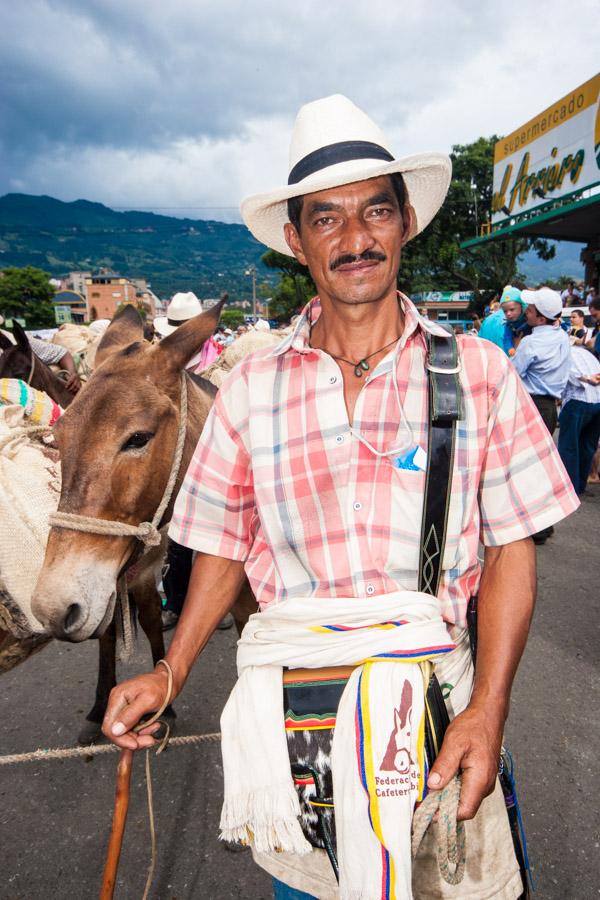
{"x":309,"y":479}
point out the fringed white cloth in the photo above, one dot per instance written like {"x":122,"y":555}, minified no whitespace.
{"x":377,"y":755}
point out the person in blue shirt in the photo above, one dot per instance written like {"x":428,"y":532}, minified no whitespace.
{"x":508,"y":325}
{"x":543,"y":360}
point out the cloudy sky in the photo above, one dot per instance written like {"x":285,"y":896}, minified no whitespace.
{"x":187,"y":104}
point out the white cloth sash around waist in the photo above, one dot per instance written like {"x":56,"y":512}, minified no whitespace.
{"x":377,"y":757}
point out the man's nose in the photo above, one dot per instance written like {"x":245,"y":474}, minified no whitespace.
{"x":356,"y":237}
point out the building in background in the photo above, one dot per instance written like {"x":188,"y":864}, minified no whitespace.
{"x":444,"y":306}
{"x":76,"y":281}
{"x":547,"y":178}
{"x":69,"y":306}
{"x":106,"y":291}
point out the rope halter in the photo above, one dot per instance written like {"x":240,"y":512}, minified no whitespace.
{"x":146,"y":532}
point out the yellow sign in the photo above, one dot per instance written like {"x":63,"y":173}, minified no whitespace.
{"x":553,"y":155}
{"x":571,"y":105}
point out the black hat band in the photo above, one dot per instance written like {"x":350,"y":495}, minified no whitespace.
{"x":343,"y":151}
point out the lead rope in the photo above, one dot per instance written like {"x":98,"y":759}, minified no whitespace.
{"x":146,"y":532}
{"x":163,"y":744}
{"x":451,"y":835}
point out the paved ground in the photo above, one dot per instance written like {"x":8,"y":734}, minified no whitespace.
{"x":55,"y":816}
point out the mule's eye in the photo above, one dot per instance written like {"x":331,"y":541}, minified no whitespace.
{"x":137,"y":440}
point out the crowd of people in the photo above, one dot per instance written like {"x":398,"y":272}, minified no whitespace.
{"x":558,"y":362}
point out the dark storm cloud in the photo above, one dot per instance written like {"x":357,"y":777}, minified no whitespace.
{"x":99,"y":98}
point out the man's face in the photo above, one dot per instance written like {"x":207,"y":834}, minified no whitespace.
{"x":532,"y":315}
{"x":576,"y":320}
{"x":351,"y":238}
{"x":595,"y":314}
{"x":512,"y":310}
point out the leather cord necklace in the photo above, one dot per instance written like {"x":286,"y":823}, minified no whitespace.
{"x":360,"y":365}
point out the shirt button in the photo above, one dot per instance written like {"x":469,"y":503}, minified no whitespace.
{"x":370,"y":589}
{"x":357,"y":505}
{"x":339,"y":439}
{"x":333,"y":379}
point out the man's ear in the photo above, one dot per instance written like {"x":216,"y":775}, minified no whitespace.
{"x":409,"y":223}
{"x":178,"y":348}
{"x":292,"y":239}
{"x":125,"y":328}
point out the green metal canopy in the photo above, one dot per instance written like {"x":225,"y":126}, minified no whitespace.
{"x":576,"y":221}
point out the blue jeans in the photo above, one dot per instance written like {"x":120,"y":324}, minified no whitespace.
{"x":281,"y":891}
{"x":578,"y":439}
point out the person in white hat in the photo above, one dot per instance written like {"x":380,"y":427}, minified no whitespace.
{"x":309,"y":479}
{"x":182,"y":307}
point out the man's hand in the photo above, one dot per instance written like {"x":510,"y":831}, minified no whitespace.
{"x":73,"y":383}
{"x":471,"y":745}
{"x":128,"y":703}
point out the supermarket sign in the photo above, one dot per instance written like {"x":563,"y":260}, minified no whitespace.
{"x":553,"y":155}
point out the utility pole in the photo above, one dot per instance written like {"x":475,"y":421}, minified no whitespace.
{"x":251,"y":270}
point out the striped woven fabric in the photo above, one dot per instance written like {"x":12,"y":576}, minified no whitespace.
{"x":39,"y":408}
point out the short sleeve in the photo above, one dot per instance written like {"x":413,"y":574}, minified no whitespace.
{"x":214,"y":506}
{"x":524,"y":486}
{"x":48,"y":353}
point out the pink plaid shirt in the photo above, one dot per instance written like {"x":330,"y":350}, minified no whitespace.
{"x":280,"y":481}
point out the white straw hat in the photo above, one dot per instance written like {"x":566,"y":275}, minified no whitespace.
{"x":334,"y":143}
{"x":546,"y":301}
{"x":181,"y":308}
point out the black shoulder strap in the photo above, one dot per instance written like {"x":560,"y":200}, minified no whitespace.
{"x":445,"y":409}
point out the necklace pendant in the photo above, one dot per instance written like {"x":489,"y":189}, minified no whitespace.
{"x":358,"y":370}
{"x":364,"y":365}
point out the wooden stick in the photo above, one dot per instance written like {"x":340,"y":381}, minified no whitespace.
{"x":118,"y":825}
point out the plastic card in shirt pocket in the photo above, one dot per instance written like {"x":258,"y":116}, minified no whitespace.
{"x":415,"y":460}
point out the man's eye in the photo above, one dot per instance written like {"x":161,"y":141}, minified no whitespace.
{"x":137,"y":440}
{"x":380,"y":211}
{"x":324,"y":220}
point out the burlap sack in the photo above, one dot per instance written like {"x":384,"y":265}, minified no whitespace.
{"x":29,"y":492}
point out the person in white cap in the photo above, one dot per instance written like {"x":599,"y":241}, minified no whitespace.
{"x":309,"y":479}
{"x":542,"y":358}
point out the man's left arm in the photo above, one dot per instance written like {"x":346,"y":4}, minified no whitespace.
{"x":473,"y":740}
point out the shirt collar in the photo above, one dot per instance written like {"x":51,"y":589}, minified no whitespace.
{"x":298,"y":339}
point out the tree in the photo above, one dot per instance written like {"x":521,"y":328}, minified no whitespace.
{"x":231,"y":318}
{"x":27,"y":293}
{"x":434,"y":260}
{"x":295,"y":287}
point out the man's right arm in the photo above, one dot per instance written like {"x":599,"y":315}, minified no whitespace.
{"x":214,"y":586}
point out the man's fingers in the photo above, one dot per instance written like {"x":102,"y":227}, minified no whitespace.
{"x":446,"y":765}
{"x":476,"y":784}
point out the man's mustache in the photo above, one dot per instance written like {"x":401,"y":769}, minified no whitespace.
{"x":349,"y":258}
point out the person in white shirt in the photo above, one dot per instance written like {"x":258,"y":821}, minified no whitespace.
{"x":580,"y":417}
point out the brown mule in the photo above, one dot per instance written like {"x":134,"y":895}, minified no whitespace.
{"x":117,"y":442}
{"x":19,"y":361}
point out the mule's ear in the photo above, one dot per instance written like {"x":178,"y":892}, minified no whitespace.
{"x":182,"y":344}
{"x":125,"y":328}
{"x":20,"y":337}
{"x":5,"y":342}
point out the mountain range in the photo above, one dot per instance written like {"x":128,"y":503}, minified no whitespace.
{"x":173,"y":254}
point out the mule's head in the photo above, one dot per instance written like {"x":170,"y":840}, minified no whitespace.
{"x":116,"y":442}
{"x":16,"y":359}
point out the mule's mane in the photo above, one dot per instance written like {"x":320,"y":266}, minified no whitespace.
{"x":204,"y":384}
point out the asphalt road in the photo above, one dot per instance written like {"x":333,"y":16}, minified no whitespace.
{"x":55,"y":816}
